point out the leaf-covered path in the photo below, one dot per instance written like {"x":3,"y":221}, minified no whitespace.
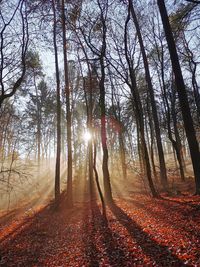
{"x":141,"y":232}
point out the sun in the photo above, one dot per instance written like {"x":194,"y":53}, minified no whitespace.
{"x":87,"y":136}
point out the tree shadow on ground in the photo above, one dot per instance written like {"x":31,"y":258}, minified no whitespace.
{"x":190,"y":203}
{"x":81,"y":237}
{"x":89,"y":230}
{"x":102,"y":245}
{"x":160,"y":254}
{"x":37,"y":237}
{"x":173,"y":217}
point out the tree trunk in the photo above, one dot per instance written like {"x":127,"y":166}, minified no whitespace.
{"x":97,"y":182}
{"x":89,"y":127}
{"x":106,"y":174}
{"x":68,"y":112}
{"x":58,"y":111}
{"x":38,"y":122}
{"x":177,"y":136}
{"x":152,"y":144}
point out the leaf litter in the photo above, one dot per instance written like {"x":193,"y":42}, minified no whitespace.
{"x":141,"y":231}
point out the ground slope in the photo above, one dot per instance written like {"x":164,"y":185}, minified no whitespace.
{"x":141,"y":232}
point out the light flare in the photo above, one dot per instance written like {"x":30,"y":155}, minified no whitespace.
{"x":87,"y":136}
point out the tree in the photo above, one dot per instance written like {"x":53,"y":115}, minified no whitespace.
{"x":102,"y":55}
{"x":101,"y":29}
{"x":40,"y":111}
{"x":13,"y":63}
{"x":58,"y":112}
{"x":68,"y":112}
{"x":34,"y":70}
{"x":138,"y":111}
{"x":183,"y":99}
{"x":163,"y":173}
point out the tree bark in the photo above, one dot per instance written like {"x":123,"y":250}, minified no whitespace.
{"x":68,"y":113}
{"x":58,"y":111}
{"x":106,"y":174}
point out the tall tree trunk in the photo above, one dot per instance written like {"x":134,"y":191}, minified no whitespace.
{"x":182,"y":94}
{"x":90,"y":126}
{"x":152,"y":143}
{"x":89,"y":105}
{"x":176,"y":133}
{"x":106,"y":174}
{"x":139,"y":148}
{"x":97,"y":180}
{"x":175,"y":143}
{"x":58,"y":111}
{"x":68,"y":112}
{"x":163,"y":173}
{"x":38,"y":121}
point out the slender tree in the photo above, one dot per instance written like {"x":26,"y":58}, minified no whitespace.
{"x":58,"y":150}
{"x":107,"y":185}
{"x":68,"y":112}
{"x":34,"y":69}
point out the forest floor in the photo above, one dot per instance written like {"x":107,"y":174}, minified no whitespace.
{"x":141,"y":231}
